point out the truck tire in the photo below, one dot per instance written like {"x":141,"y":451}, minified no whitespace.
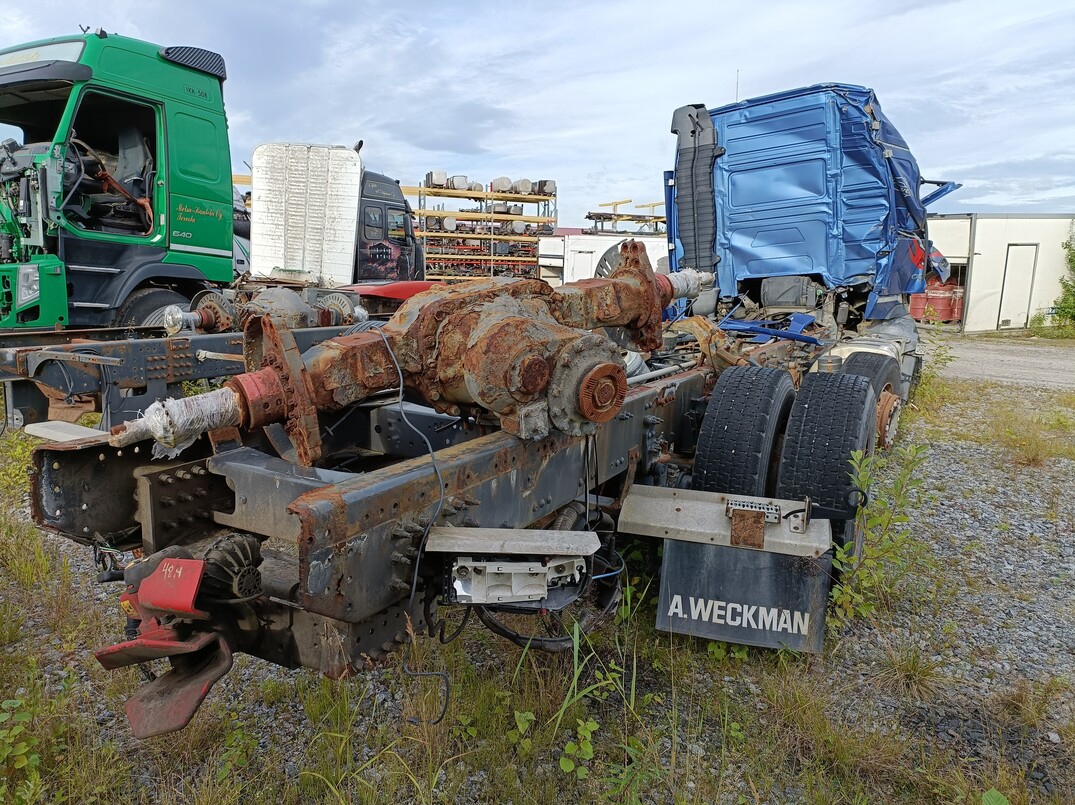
{"x":241,"y":226}
{"x":145,"y":308}
{"x":883,"y":372}
{"x":833,"y":415}
{"x":740,"y":438}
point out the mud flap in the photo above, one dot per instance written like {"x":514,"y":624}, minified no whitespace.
{"x":740,"y":595}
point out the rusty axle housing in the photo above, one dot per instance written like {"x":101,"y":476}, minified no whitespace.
{"x":515,"y":347}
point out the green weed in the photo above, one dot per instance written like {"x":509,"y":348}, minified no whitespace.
{"x":889,"y":553}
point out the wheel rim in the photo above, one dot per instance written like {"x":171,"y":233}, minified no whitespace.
{"x":888,"y":418}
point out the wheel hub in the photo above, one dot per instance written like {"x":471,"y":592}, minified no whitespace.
{"x":888,"y":416}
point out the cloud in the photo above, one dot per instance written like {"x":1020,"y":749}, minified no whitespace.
{"x":584,"y":92}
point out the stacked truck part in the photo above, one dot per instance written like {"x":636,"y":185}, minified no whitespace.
{"x":497,"y":236}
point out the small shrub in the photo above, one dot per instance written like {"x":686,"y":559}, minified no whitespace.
{"x":1026,"y":704}
{"x":19,"y":758}
{"x":907,"y":671}
{"x":1064,"y":306}
{"x":889,"y":552}
{"x":577,"y":754}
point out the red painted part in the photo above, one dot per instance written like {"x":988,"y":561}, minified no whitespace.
{"x":918,"y":254}
{"x":918,"y":306}
{"x":154,"y":642}
{"x":169,"y":702}
{"x":172,"y":588}
{"x":941,"y":302}
{"x":393,"y":290}
{"x":957,"y":304}
{"x":263,"y":394}
{"x":664,"y":288}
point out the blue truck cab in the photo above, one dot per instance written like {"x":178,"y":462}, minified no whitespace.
{"x":812,"y":183}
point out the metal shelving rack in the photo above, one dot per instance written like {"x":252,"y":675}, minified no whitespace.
{"x":485,"y":241}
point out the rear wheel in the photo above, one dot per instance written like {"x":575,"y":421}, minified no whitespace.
{"x":145,"y":308}
{"x":833,"y":415}
{"x":883,"y":372}
{"x":738,"y":445}
{"x":740,"y":439}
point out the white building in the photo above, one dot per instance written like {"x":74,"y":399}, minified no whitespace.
{"x":1010,"y":265}
{"x":569,"y":257}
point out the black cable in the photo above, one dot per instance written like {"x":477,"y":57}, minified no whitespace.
{"x":422,"y":543}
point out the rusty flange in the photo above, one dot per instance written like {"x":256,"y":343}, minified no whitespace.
{"x":888,"y":417}
{"x":215,"y":312}
{"x":602,"y":391}
{"x":281,"y":354}
{"x":585,"y":358}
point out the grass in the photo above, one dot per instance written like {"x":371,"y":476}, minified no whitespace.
{"x":1033,"y":438}
{"x":908,"y":672}
{"x":1031,"y":428}
{"x":1027,"y":704}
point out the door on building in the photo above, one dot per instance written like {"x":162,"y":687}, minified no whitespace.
{"x":1019,"y":266}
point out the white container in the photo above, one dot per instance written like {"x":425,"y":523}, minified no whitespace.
{"x":436,"y":178}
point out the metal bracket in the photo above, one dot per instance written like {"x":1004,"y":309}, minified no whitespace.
{"x":498,"y":582}
{"x":712,"y":518}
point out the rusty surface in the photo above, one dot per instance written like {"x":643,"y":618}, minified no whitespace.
{"x":722,"y":349}
{"x":602,"y":391}
{"x":67,"y":407}
{"x":282,"y":354}
{"x":531,"y":375}
{"x":350,"y":531}
{"x":514,"y":347}
{"x":262,"y":394}
{"x":888,"y":414}
{"x":748,"y":529}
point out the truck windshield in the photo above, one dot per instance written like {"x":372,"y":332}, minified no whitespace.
{"x":30,"y":111}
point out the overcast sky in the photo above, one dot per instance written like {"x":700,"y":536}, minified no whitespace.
{"x":583,"y":93}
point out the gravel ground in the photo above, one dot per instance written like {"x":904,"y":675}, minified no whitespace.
{"x":1003,"y":616}
{"x":1036,"y":362}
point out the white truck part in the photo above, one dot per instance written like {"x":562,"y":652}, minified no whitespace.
{"x":304,"y":225}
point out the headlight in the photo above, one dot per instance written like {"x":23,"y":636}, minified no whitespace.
{"x":29,"y":285}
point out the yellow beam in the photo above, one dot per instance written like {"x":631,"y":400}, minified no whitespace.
{"x":242,"y":178}
{"x":485,"y":216}
{"x":476,"y":195}
{"x":481,"y":258}
{"x":472,"y":236}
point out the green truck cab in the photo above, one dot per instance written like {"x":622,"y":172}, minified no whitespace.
{"x":117,"y":201}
